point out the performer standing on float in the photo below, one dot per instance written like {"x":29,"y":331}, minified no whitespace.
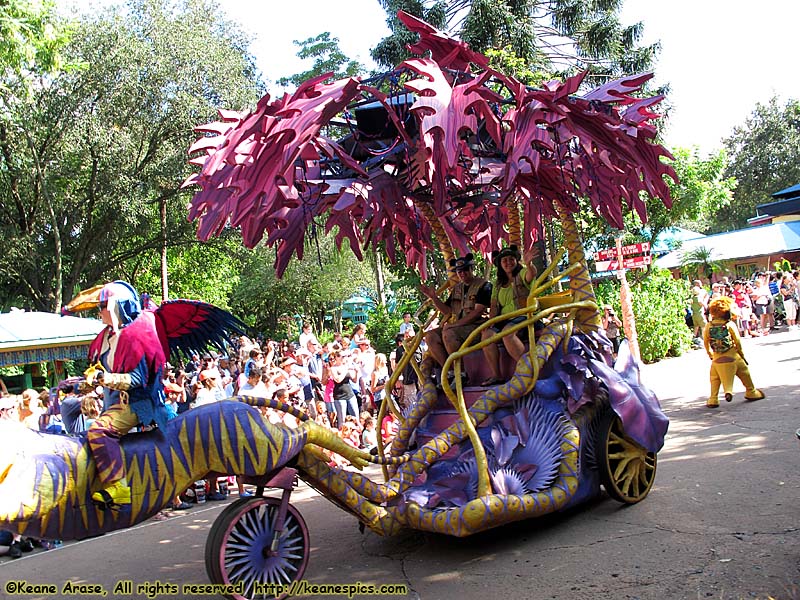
{"x":132,"y":362}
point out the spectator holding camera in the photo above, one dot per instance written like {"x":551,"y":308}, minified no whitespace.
{"x":611,"y":324}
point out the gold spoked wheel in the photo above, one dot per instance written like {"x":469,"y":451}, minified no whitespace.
{"x":627,"y":470}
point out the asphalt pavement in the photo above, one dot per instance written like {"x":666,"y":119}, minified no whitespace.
{"x":721,"y":521}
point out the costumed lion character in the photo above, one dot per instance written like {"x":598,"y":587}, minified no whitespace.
{"x":724,"y":348}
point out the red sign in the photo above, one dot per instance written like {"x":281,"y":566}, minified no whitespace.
{"x":627,"y":263}
{"x":630,"y":250}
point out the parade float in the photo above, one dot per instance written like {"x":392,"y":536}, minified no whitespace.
{"x":441,"y":153}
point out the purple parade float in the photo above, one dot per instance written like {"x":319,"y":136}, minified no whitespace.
{"x":442,"y":151}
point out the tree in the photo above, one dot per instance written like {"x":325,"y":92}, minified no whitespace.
{"x":659,"y":304}
{"x":701,"y":192}
{"x":554,"y":36}
{"x":313,"y":287}
{"x":699,"y":263}
{"x":764,"y":158}
{"x":328,"y":58}
{"x":87,"y":165}
{"x":31,"y":39}
{"x":208,"y":272}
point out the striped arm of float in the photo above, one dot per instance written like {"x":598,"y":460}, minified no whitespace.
{"x":580,"y":283}
{"x":272,"y":403}
{"x":332,"y":484}
{"x":425,"y":402}
{"x":490,"y":400}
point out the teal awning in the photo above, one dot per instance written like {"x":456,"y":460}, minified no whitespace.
{"x":31,"y":337}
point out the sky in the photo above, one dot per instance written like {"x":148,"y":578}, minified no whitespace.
{"x":720,"y":57}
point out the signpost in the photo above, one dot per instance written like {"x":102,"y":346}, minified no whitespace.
{"x":618,"y":259}
{"x":627,"y":251}
{"x":633,"y":262}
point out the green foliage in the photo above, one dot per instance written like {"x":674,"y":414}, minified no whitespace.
{"x":328,"y":58}
{"x":505,"y":61}
{"x":659,"y":303}
{"x":560,"y":36}
{"x":701,"y":192}
{"x":392,"y":50}
{"x":207,"y":272}
{"x":382,"y":326}
{"x":311,"y":287}
{"x":84,"y":168}
{"x":31,"y":39}
{"x":764,"y":158}
{"x":699,"y":263}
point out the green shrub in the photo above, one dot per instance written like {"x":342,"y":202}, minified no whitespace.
{"x":382,"y":326}
{"x":659,"y":304}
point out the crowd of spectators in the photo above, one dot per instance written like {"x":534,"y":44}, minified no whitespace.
{"x":329,"y":382}
{"x":761,"y":304}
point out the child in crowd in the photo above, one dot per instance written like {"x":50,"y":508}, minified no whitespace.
{"x":369,"y":438}
{"x":407,"y":325}
{"x":351,"y":433}
{"x":389,"y":427}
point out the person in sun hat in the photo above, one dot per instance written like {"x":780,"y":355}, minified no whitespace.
{"x":509,"y":293}
{"x":365,"y":363}
{"x":303,"y":374}
{"x":208,"y":388}
{"x":291,"y":381}
{"x":467,"y":307}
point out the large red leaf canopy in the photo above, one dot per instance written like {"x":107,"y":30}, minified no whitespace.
{"x":432,"y":132}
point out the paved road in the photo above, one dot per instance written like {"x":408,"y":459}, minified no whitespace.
{"x":721,"y":521}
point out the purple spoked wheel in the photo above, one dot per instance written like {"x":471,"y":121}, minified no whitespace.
{"x":238,"y":548}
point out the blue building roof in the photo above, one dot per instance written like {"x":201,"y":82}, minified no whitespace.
{"x":27,"y":337}
{"x":766,"y":240}
{"x":790,"y":192}
{"x":673,"y":237}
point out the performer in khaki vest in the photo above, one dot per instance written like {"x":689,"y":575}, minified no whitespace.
{"x":468,"y":303}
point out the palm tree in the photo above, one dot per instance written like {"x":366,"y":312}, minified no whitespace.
{"x":699,"y":263}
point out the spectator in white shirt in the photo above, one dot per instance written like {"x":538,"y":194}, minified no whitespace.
{"x":225,"y":376}
{"x":254,"y":386}
{"x":307,"y":336}
{"x":209,"y":390}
